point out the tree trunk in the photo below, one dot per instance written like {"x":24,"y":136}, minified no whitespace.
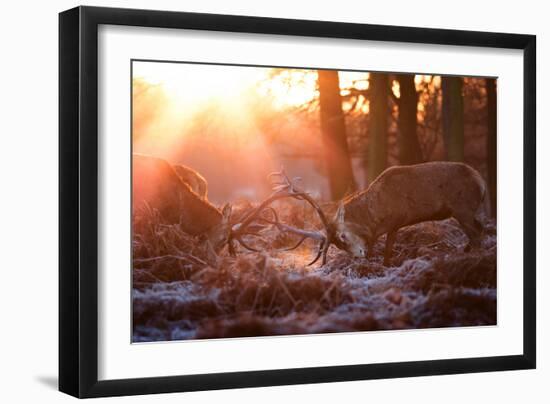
{"x":490,"y":85}
{"x":453,"y":117}
{"x":333,"y":128}
{"x":407,"y":138}
{"x":378,"y":124}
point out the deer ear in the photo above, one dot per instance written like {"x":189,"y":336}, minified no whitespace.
{"x":341,"y":213}
{"x":226,"y":212}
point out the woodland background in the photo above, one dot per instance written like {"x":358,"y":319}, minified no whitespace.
{"x":336,"y":130}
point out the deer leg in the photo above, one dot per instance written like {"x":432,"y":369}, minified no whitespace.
{"x":473,"y":229}
{"x":230,"y":247}
{"x":474,"y":240}
{"x":370,"y":249}
{"x":211,"y":255}
{"x":390,"y":239}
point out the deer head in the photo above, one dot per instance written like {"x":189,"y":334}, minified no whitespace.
{"x":220,"y":234}
{"x":349,"y":236}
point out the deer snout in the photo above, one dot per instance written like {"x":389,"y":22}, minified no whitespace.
{"x":358,"y":251}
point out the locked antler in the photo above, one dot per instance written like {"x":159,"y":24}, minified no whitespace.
{"x":283,"y":187}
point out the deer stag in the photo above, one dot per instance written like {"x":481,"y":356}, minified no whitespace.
{"x":399,"y":197}
{"x":157,"y":185}
{"x":406,"y":195}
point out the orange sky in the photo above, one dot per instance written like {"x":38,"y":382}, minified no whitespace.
{"x":217,"y":115}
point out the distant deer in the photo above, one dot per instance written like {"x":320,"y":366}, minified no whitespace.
{"x":400,"y":196}
{"x":157,"y":185}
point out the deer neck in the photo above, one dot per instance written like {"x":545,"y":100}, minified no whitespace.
{"x":358,"y":210}
{"x":200,"y":215}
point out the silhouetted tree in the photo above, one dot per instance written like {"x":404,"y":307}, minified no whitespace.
{"x":407,"y":137}
{"x":336,"y":153}
{"x":378,"y":124}
{"x":453,"y":117}
{"x":490,"y":85}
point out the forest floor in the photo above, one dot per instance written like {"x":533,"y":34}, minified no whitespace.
{"x":179,"y":293}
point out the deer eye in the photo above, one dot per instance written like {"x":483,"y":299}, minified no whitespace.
{"x":342,"y":237}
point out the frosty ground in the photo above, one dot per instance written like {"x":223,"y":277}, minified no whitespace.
{"x":181,"y":292}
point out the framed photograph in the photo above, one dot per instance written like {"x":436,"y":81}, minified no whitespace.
{"x":251,"y":201}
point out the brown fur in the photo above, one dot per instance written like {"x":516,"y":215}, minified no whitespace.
{"x":406,"y":195}
{"x":157,"y":185}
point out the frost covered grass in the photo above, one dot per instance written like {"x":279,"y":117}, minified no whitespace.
{"x":180,"y":291}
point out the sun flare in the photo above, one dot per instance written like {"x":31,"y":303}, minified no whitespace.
{"x":195,"y":84}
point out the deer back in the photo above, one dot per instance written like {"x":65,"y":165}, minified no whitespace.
{"x":405,"y":195}
{"x":157,"y":185}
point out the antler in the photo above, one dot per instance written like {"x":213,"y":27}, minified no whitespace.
{"x":325,"y":240}
{"x":285,"y":228}
{"x":283,"y":187}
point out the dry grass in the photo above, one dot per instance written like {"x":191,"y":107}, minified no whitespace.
{"x":182,"y":293}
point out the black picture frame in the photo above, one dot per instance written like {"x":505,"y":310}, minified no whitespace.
{"x":78,"y":200}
